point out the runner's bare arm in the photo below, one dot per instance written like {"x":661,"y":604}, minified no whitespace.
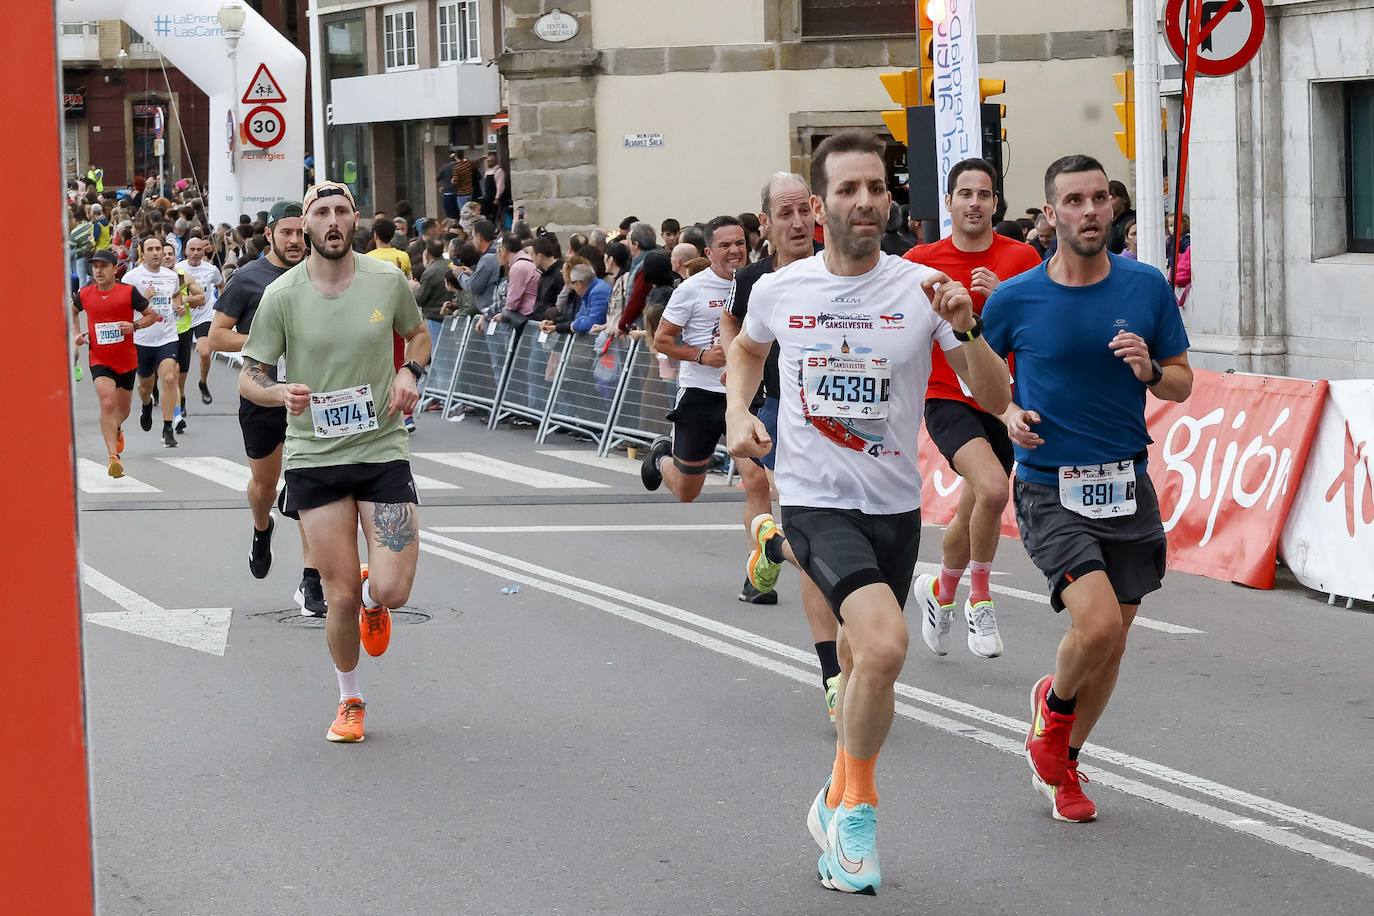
{"x":195,"y":293}
{"x":666,"y":342}
{"x":1177,"y":381}
{"x":981,"y":369}
{"x":257,"y":385}
{"x":223,"y":337}
{"x":1177,"y":384}
{"x":745,"y":434}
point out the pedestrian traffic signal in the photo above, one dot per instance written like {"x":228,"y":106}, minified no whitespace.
{"x":1125,"y":112}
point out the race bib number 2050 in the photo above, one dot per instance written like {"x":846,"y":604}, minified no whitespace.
{"x":854,"y":387}
{"x":345,"y":412}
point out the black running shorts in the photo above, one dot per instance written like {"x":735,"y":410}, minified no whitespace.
{"x":185,"y":344}
{"x":123,"y":380}
{"x":698,"y":424}
{"x":264,"y":428}
{"x":842,"y":550}
{"x":201,"y":330}
{"x":953,"y":424}
{"x":1064,"y":545}
{"x":310,"y":488}
{"x":149,"y":358}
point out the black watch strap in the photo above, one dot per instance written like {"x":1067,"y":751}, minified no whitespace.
{"x":415,"y":368}
{"x":972,"y":333}
{"x":1157,"y":374}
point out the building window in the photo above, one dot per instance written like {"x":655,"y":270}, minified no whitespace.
{"x":857,"y":18}
{"x":1359,"y":155}
{"x":458,"y":32}
{"x":398,"y":33}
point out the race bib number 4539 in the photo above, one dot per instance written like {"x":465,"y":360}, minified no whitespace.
{"x":855,"y":387}
{"x":345,"y":412}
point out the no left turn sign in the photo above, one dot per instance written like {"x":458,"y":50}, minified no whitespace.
{"x":1231,"y":33}
{"x":264,"y":127}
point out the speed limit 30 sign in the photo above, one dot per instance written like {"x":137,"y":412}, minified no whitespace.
{"x":264,"y":127}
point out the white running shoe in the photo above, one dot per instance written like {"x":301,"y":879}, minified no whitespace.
{"x":983,"y":638}
{"x":936,"y":619}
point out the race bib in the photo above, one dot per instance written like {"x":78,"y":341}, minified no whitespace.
{"x":855,"y":387}
{"x":345,"y":412}
{"x":1099,"y":490}
{"x":108,"y":332}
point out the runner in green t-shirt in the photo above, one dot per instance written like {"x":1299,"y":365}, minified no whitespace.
{"x":347,"y":455}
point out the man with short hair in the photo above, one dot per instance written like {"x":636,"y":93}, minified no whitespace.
{"x":347,"y":454}
{"x":547,"y":256}
{"x":974,"y":442}
{"x":495,"y":191}
{"x":433,"y":292}
{"x":593,"y":298}
{"x":1043,"y":239}
{"x":264,"y":428}
{"x":481,"y":280}
{"x":848,"y":478}
{"x":522,"y":288}
{"x":1092,"y":334}
{"x":383,"y":231}
{"x":680,"y":254}
{"x":211,"y":283}
{"x":156,"y":343}
{"x":670,"y":230}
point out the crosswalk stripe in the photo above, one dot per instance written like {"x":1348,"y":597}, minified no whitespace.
{"x":618,"y":463}
{"x":429,"y":483}
{"x":509,"y":471}
{"x":94,"y":478}
{"x":222,"y":471}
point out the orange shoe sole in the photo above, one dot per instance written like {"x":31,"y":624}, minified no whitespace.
{"x":119,"y":443}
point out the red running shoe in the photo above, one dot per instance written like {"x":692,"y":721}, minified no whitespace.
{"x":1047,"y":742}
{"x":1070,"y":804}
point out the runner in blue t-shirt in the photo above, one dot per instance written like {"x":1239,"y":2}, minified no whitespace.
{"x":1091,"y":332}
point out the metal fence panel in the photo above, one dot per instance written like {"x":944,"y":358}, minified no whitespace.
{"x":646,"y":399}
{"x":533,"y":374}
{"x":443,"y":364}
{"x":482,"y":366}
{"x":584,"y":393}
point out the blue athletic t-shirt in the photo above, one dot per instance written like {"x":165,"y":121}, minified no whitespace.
{"x":1091,"y":406}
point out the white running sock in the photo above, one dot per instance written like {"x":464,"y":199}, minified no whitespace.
{"x":348,"y":684}
{"x":367,"y":595}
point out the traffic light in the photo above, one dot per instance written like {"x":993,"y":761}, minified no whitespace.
{"x":925,"y":47}
{"x":1125,"y":112}
{"x":905,"y":89}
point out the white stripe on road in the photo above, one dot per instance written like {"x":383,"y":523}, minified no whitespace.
{"x":1140,"y":621}
{"x":429,"y":483}
{"x":93,"y":477}
{"x":525,"y":572}
{"x":576,"y":529}
{"x":618,"y":463}
{"x":509,"y":472}
{"x":126,"y":598}
{"x":222,"y":471}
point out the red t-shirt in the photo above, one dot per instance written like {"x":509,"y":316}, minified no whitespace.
{"x":101,"y":307}
{"x":1006,"y":258}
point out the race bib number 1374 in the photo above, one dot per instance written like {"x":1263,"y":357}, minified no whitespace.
{"x":345,"y":412}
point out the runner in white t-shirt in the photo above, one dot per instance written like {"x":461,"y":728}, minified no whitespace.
{"x":212,"y":282}
{"x":689,"y":332}
{"x":855,"y":329}
{"x":157,"y":343}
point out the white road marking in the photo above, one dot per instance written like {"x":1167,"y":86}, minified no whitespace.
{"x":203,"y":629}
{"x":509,"y":471}
{"x":429,"y":483}
{"x":577,"y":529}
{"x":93,"y":477}
{"x":521,"y":571}
{"x":1140,"y":621}
{"x":222,"y":471}
{"x":618,"y":463}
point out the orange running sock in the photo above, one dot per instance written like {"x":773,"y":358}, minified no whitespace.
{"x":836,"y":792}
{"x":859,"y":785}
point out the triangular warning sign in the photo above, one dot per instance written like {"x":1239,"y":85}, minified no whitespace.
{"x":263,"y":88}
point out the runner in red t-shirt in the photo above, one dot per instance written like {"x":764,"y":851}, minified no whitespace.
{"x":975,"y":443}
{"x":110,"y":324}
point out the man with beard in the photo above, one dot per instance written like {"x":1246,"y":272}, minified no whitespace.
{"x":855,"y":357}
{"x":264,"y":428}
{"x":1091,"y":333}
{"x":347,"y":455}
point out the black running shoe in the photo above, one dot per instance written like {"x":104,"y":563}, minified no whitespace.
{"x":205,"y":396}
{"x":181,"y":422}
{"x":157,"y":392}
{"x":260,"y":554}
{"x":751,"y":595}
{"x":145,"y":417}
{"x":310,"y":597}
{"x":168,"y":440}
{"x":648,"y":468}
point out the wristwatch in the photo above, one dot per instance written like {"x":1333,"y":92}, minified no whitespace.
{"x":972,"y":333}
{"x":415,"y":368}
{"x":1157,"y":374}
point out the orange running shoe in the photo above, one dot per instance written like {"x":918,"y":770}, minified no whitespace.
{"x":348,"y":723}
{"x":119,"y":442}
{"x":116,"y":467}
{"x":374,"y":626}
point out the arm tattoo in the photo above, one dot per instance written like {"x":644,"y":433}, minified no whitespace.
{"x":395,"y":524}
{"x":254,"y":370}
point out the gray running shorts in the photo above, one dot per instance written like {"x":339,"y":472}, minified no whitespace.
{"x":1065,"y":545}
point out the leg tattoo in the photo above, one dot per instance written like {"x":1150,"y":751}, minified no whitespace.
{"x":395,"y":524}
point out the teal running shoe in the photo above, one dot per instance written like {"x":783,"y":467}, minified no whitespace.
{"x":832,"y":695}
{"x":850,"y":865}
{"x":819,"y":817}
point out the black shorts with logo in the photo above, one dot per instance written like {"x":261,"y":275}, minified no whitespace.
{"x":149,"y":358}
{"x":954,"y":424}
{"x":842,"y":550}
{"x":310,"y":488}
{"x":698,"y":424}
{"x":185,"y":344}
{"x":200,"y":330}
{"x":123,"y":380}
{"x":1132,"y":551}
{"x":264,"y":428}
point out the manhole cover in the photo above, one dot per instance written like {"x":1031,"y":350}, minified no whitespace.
{"x":292,"y":617}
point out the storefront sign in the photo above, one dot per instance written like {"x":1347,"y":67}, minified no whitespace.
{"x":556,"y":26}
{"x":74,"y":104}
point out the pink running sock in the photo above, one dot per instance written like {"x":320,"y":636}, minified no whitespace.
{"x":949,"y":581}
{"x":978,"y":582}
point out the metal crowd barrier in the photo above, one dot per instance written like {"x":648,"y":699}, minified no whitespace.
{"x":584,"y":390}
{"x":643,"y":402}
{"x":483,"y":364}
{"x":532,"y":376}
{"x":443,"y":363}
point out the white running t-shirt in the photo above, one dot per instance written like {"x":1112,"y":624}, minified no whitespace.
{"x":695,"y":307}
{"x":158,"y":288}
{"x":210,"y":279}
{"x":861,"y":347}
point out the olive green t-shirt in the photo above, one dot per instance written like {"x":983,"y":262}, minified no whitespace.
{"x":335,"y":343}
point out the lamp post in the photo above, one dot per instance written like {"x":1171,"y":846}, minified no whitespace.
{"x":231,"y":16}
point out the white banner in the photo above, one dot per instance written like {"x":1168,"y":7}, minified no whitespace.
{"x":958,"y":117}
{"x":1328,"y":540}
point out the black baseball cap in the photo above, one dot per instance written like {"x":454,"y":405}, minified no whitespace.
{"x":283,"y":209}
{"x":106,"y":256}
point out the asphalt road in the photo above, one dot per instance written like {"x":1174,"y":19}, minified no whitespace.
{"x":622,"y":736}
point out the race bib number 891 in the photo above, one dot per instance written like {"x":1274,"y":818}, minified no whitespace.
{"x":855,"y":387}
{"x":1099,"y":490}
